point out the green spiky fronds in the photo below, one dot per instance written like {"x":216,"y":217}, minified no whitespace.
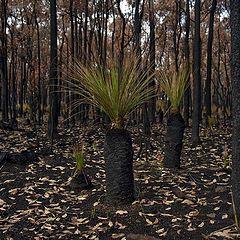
{"x":174,"y":85}
{"x":117,"y":90}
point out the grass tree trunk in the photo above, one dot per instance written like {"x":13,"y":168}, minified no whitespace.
{"x":174,"y":140}
{"x":118,"y":154}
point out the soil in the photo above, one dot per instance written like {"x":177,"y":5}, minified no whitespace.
{"x":36,"y":201}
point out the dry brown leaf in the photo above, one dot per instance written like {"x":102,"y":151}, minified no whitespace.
{"x":149,"y":221}
{"x":121,"y":212}
{"x":119,"y":225}
{"x":117,"y":235}
{"x":188,"y":202}
{"x":201,"y":224}
{"x":224,"y":216}
{"x":79,"y":221}
{"x":77,"y":232}
{"x":2,"y":202}
{"x":13,"y":191}
{"x":193,"y":213}
{"x":46,"y":195}
{"x":96,"y":226}
{"x":9,"y":181}
{"x":161,"y":230}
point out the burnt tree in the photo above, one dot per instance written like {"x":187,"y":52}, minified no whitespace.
{"x":196,"y":75}
{"x":209,"y":62}
{"x":53,"y":75}
{"x":3,"y":62}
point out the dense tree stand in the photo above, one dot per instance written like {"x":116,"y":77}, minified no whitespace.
{"x":118,"y":154}
{"x":174,"y":138}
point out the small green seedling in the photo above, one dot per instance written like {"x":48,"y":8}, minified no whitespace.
{"x":78,"y":152}
{"x":79,"y":179}
{"x":211,"y":122}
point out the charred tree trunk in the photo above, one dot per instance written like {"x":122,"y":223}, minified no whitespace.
{"x":186,"y":100}
{"x":196,"y":76}
{"x":114,"y":30}
{"x":137,"y":28}
{"x":177,"y":31}
{"x":14,"y":87}
{"x":53,"y":114}
{"x":72,"y":96}
{"x":118,"y":154}
{"x":208,"y":95}
{"x":84,"y":107}
{"x":3,"y":62}
{"x":152,"y":50}
{"x":121,"y":55}
{"x":39,"y":95}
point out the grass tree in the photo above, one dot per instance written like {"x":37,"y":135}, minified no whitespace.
{"x":174,"y":84}
{"x":118,"y":91}
{"x":79,"y":179}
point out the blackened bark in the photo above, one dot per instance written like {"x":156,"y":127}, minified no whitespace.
{"x":23,"y":86}
{"x":81,"y":181}
{"x":186,"y":99}
{"x":3,"y":62}
{"x":152,"y":53}
{"x":53,"y":114}
{"x":14,"y":86}
{"x":137,"y":28}
{"x":196,"y":76}
{"x":83,"y":109}
{"x":174,"y":141}
{"x":235,"y":74}
{"x":72,"y":28}
{"x":146,"y":121}
{"x":118,"y":154}
{"x":85,"y":38}
{"x":208,"y":102}
{"x":76,"y":34}
{"x":121,"y":55}
{"x":177,"y":31}
{"x":114,"y":29}
{"x":72,"y":96}
{"x":39,"y":68}
{"x":105,"y":42}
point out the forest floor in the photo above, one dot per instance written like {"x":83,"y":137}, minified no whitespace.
{"x":191,"y":203}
